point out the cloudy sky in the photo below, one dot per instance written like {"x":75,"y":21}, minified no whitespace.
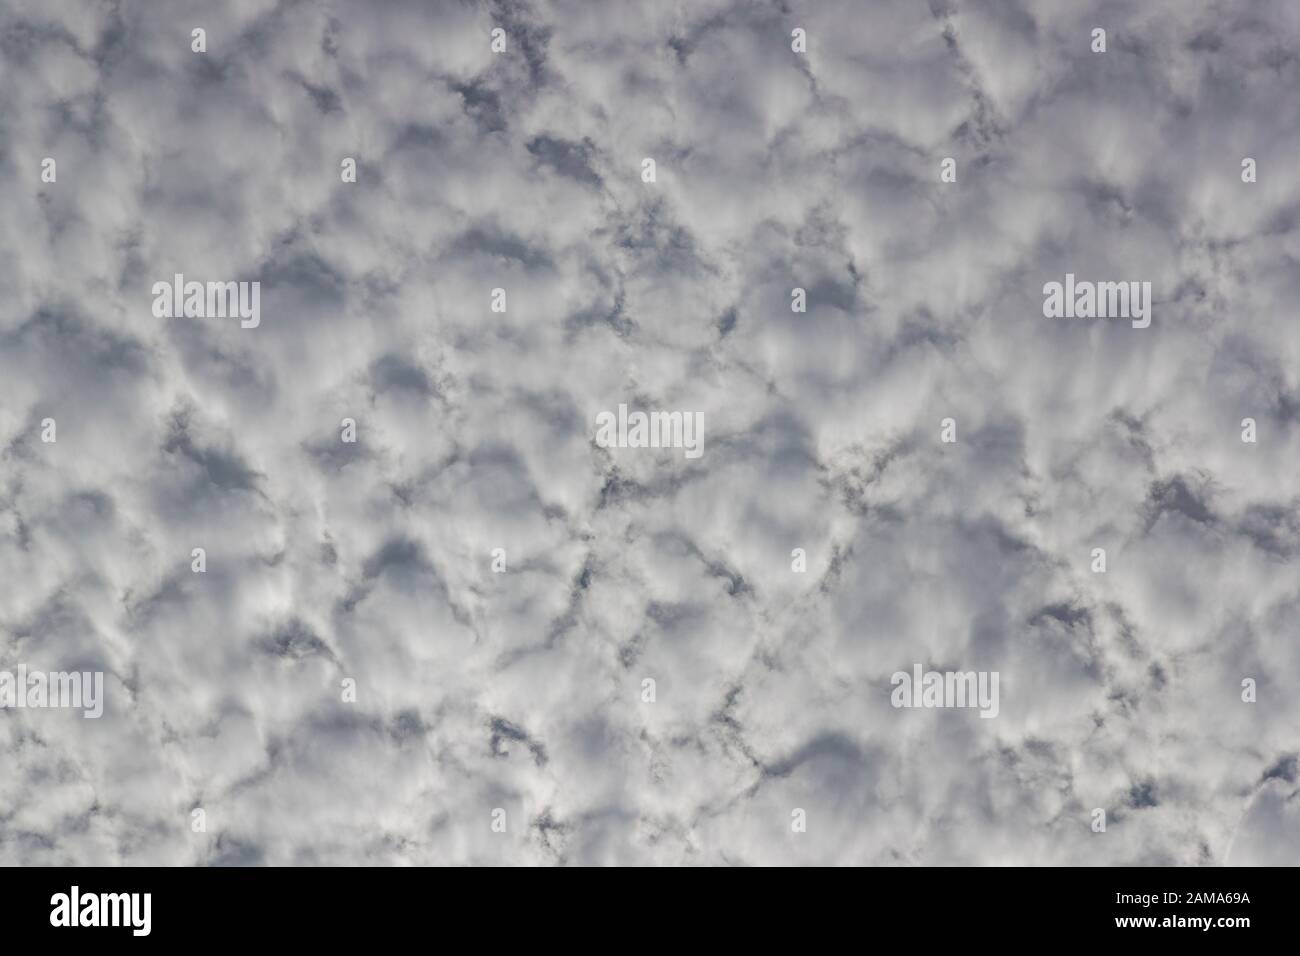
{"x":522,"y":690}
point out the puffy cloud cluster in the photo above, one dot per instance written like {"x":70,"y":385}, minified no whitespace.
{"x":523,"y":690}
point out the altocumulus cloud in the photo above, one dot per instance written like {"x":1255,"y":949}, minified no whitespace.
{"x":363,"y":585}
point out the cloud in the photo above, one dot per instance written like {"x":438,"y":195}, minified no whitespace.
{"x":372,"y":560}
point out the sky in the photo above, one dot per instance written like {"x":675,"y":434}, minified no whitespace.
{"x":439,"y":619}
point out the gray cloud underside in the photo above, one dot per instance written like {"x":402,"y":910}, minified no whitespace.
{"x":522,"y":690}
